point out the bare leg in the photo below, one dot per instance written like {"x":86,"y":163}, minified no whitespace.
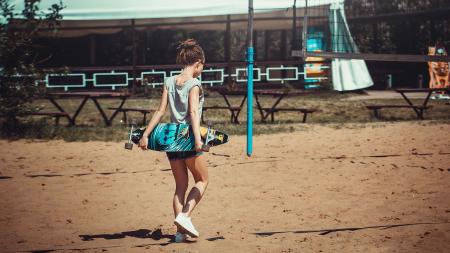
{"x":197,"y":166}
{"x":179,"y":171}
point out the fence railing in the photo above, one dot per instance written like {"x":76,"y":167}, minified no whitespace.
{"x":214,"y":74}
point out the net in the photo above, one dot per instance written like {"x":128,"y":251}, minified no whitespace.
{"x":389,"y":38}
{"x":382,"y":30}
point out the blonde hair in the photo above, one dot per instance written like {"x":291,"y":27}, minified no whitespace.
{"x":189,"y":52}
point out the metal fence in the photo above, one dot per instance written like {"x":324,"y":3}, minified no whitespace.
{"x":307,"y":75}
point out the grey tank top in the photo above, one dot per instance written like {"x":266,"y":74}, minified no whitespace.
{"x":178,"y":99}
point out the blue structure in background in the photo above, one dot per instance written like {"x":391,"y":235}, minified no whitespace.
{"x":314,"y":43}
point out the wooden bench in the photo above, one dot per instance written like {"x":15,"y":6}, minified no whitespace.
{"x":125,"y":110}
{"x":271,"y":112}
{"x":233,"y":109}
{"x":376,"y":109}
{"x":56,"y":115}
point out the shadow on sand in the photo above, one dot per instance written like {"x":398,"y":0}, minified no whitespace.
{"x":85,"y":174}
{"x":141,"y":233}
{"x":332,"y":230}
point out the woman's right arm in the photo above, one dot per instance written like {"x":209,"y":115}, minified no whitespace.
{"x":156,"y":118}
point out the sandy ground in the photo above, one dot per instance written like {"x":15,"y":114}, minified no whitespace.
{"x":378,"y":188}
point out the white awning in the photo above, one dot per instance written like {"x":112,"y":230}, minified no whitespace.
{"x":144,"y":9}
{"x":82,"y":17}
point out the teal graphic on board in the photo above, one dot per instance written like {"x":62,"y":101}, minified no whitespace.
{"x":171,"y":137}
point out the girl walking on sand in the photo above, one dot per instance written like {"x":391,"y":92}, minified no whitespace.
{"x":184,"y":96}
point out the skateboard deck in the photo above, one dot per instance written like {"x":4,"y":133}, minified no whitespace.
{"x":171,"y":137}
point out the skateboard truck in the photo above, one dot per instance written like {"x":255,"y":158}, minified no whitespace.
{"x":129,"y":145}
{"x":205,"y":146}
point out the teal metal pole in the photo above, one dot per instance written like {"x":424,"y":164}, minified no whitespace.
{"x":250,"y":101}
{"x":250,"y":53}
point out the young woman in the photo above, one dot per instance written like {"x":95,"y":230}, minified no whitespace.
{"x":184,"y":95}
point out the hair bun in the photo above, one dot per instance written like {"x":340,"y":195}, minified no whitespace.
{"x":189,"y":52}
{"x":187,"y":44}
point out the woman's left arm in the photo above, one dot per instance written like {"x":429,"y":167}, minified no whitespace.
{"x":194,"y":95}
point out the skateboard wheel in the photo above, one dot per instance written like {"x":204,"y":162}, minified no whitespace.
{"x":129,"y":146}
{"x":205,"y":148}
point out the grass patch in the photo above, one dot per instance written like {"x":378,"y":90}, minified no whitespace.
{"x":335,"y":111}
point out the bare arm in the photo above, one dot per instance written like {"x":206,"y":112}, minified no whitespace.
{"x":156,"y":118}
{"x":194,"y":95}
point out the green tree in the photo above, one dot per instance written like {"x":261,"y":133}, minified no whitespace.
{"x":19,"y":52}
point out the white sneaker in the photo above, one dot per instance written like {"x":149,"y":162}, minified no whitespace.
{"x":179,"y":237}
{"x":185,"y":222}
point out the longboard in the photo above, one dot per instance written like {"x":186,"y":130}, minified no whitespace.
{"x":171,"y":137}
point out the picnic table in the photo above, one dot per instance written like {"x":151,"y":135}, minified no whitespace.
{"x":234,"y":110}
{"x":265,"y":112}
{"x":56,"y":115}
{"x":85,"y":96}
{"x":417,"y":108}
{"x":279,"y":95}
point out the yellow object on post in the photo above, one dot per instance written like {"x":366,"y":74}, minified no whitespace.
{"x":439,"y":71}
